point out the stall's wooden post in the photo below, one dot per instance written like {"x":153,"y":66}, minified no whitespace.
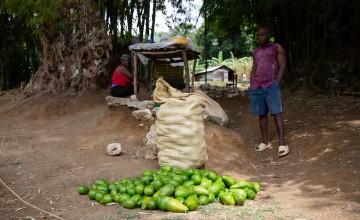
{"x":135,"y":74}
{"x":186,"y":64}
{"x":193,"y":77}
{"x":151,"y":79}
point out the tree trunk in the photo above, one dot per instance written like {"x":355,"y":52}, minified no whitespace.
{"x":130,"y":13}
{"x":76,"y":57}
{"x":140,"y":11}
{"x":147,"y":18}
{"x":153,"y":21}
{"x":112,"y":10}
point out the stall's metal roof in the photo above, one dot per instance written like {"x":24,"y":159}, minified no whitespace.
{"x":164,"y":52}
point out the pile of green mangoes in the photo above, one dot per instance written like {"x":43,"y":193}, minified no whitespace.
{"x":172,"y":189}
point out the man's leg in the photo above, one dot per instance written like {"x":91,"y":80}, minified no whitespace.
{"x":259,"y":107}
{"x":275,"y":109}
{"x":279,"y":123}
{"x":264,"y":121}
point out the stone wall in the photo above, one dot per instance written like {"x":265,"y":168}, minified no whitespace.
{"x":219,"y":92}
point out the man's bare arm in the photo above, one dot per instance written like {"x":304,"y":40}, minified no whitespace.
{"x":253,"y":70}
{"x":281,"y":63}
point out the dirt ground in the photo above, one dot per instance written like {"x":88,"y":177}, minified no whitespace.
{"x":52,"y":144}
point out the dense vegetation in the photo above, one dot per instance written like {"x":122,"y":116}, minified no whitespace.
{"x":320,"y":36}
{"x":50,"y":39}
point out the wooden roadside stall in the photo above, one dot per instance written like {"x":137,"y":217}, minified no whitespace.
{"x":170,"y":52}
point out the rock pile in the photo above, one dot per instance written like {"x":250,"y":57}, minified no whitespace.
{"x":218,"y":92}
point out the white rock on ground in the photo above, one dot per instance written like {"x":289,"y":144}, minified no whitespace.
{"x":151,"y":135}
{"x":143,"y":115}
{"x":113,"y":149}
{"x":155,"y":110}
{"x":153,"y":127}
{"x":116,"y":101}
{"x":132,"y":104}
{"x":146,"y":104}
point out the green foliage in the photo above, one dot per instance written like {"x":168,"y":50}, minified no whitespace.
{"x":40,"y":15}
{"x":308,"y":30}
{"x":199,"y":67}
{"x":180,"y":14}
{"x":217,"y":83}
{"x":239,"y":65}
{"x":183,"y":29}
{"x":18,"y":52}
{"x":231,"y":61}
{"x":240,"y":44}
{"x":244,"y":65}
{"x":216,"y":61}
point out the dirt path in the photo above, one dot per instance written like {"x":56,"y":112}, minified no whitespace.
{"x":51,"y":144}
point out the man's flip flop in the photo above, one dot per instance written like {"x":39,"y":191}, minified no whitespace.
{"x":262,"y":147}
{"x":283,"y":150}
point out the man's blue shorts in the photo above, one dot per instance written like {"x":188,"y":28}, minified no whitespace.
{"x":264,"y":101}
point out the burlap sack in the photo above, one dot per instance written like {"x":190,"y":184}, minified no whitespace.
{"x":213,"y":108}
{"x":163,"y":91}
{"x":179,"y":127}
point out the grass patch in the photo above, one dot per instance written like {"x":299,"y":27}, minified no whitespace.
{"x":176,"y":218}
{"x":108,"y":218}
{"x":258,"y":213}
{"x":131,"y":215}
{"x":251,"y":212}
{"x":121,"y":215}
{"x":220,"y":211}
{"x":272,"y":209}
{"x":215,"y":83}
{"x":213,"y":209}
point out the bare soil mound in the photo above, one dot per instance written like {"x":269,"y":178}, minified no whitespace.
{"x":228,"y":152}
{"x":51,"y":144}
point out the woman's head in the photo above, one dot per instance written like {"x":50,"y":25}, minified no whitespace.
{"x":124,"y":59}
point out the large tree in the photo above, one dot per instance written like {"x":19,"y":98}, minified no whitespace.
{"x":74,"y":45}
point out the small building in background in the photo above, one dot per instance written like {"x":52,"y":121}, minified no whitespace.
{"x":218,"y":73}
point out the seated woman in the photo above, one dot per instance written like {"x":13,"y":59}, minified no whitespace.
{"x":122,"y":80}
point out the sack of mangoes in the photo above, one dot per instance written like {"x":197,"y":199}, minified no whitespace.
{"x":172,"y":189}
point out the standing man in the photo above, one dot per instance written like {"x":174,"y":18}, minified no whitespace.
{"x":265,"y":97}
